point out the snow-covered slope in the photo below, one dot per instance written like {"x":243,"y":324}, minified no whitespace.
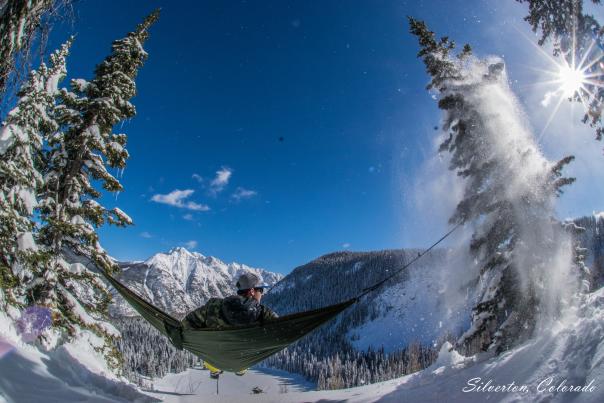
{"x":568,"y":352}
{"x":195,"y":385}
{"x":73,"y":372}
{"x":422,"y":307}
{"x":419,"y":305}
{"x":179,"y":280}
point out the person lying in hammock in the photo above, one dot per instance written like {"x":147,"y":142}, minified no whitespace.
{"x":241,"y":309}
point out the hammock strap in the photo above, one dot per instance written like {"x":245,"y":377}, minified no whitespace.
{"x":377,"y":285}
{"x":154,"y":315}
{"x":415,"y":259}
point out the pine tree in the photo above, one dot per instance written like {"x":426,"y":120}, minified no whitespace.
{"x":21,"y":140}
{"x":77,"y":154}
{"x":509,"y":192}
{"x":20,"y":21}
{"x":589,"y":280}
{"x":576,"y":37}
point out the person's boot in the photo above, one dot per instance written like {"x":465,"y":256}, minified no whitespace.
{"x":241,"y":373}
{"x":214,"y":372}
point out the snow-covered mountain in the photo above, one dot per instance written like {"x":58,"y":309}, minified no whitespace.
{"x":179,"y":280}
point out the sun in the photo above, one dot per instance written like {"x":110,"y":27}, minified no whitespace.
{"x":571,"y":80}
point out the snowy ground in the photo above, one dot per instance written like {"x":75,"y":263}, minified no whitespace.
{"x":70,"y":373}
{"x":196,"y":385}
{"x":29,"y":376}
{"x":569,"y":352}
{"x":566,"y":353}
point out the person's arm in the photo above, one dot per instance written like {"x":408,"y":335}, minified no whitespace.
{"x":195,"y":319}
{"x":267,"y":314}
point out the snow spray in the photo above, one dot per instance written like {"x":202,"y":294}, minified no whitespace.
{"x":542,"y":256}
{"x":543,"y":253}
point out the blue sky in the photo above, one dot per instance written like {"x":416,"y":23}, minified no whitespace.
{"x":270,"y":133}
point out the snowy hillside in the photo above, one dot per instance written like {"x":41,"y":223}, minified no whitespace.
{"x":541,"y":370}
{"x":397,"y":327}
{"x":179,"y":280}
{"x":569,"y":351}
{"x":411,"y":307}
{"x":70,"y":373}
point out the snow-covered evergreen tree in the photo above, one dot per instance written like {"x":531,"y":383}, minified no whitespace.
{"x":19,"y":22}
{"x":77,"y":154}
{"x":509,"y":191}
{"x":21,"y":140}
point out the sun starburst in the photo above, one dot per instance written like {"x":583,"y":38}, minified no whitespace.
{"x":574,"y":75}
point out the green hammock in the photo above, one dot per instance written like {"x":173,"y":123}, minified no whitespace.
{"x":235,"y":348}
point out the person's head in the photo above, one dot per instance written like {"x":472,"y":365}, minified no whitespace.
{"x":249,"y":285}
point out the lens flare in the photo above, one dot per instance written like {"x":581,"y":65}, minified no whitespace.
{"x":33,"y":322}
{"x":5,"y":348}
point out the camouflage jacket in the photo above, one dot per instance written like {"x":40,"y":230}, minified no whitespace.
{"x":231,"y":311}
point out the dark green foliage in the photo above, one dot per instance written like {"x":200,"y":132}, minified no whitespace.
{"x":347,"y":367}
{"x":86,"y":145}
{"x":78,"y":154}
{"x":558,"y":20}
{"x":23,"y":132}
{"x":556,"y":180}
{"x":436,"y":54}
{"x":19,"y":20}
{"x":7,"y":279}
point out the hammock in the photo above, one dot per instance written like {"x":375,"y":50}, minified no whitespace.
{"x":237,"y":348}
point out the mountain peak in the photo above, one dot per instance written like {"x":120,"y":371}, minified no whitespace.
{"x":182,"y":251}
{"x":178,"y":249}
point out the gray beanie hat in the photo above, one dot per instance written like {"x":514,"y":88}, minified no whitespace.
{"x":249,"y":280}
